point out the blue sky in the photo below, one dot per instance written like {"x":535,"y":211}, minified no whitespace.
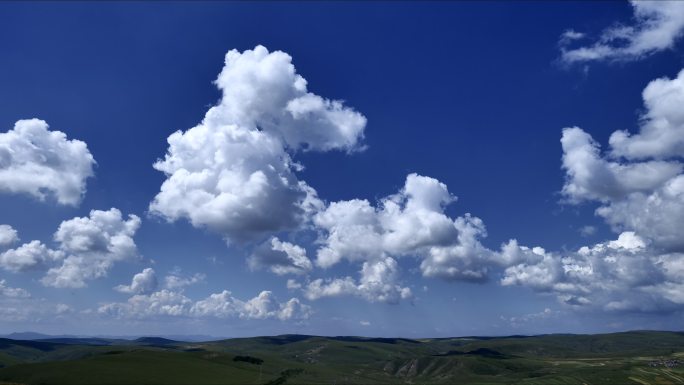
{"x":472,"y":98}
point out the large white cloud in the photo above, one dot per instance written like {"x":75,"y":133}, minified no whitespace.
{"x":657,"y":25}
{"x":409,"y":223}
{"x":280,"y":258}
{"x":402,"y":224}
{"x":222,"y":305}
{"x":639,"y":187}
{"x":640,"y":183}
{"x":40,"y":162}
{"x":233,"y":173}
{"x":620,"y":275}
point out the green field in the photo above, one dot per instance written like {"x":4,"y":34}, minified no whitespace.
{"x":619,"y":358}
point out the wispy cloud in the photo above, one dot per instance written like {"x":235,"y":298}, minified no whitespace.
{"x":656,"y":27}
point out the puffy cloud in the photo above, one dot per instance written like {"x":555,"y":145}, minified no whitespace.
{"x":641,"y":184}
{"x":219,"y":305}
{"x":144,"y":282}
{"x":591,"y":177}
{"x":8,"y":235}
{"x":657,"y":25}
{"x":409,"y":223}
{"x":657,"y":215}
{"x":621,"y":275}
{"x":266,"y":306}
{"x":403,"y":224}
{"x":37,"y":161}
{"x":466,"y":260}
{"x":233,"y":173}
{"x":177,"y":281}
{"x":280,"y":258}
{"x":263,"y":89}
{"x":92,"y":245}
{"x":378,"y":283}
{"x":661,"y":134}
{"x":88,"y":247}
{"x":29,"y":256}
{"x":12,"y":292}
{"x":412,"y":223}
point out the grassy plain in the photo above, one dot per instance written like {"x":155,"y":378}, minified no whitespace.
{"x":619,"y":358}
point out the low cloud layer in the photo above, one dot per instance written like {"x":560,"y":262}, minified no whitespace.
{"x":621,"y":275}
{"x":7,"y":291}
{"x":174,"y":303}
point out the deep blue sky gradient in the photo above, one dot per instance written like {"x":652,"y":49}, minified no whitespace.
{"x":470,"y":93}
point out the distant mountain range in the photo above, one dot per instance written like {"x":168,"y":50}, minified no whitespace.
{"x":33,"y":336}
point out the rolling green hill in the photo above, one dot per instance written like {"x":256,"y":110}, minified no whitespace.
{"x":621,"y":358}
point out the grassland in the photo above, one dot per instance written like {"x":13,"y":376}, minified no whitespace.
{"x":620,"y":358}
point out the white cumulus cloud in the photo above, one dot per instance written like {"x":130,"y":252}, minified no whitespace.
{"x":280,"y":258}
{"x":144,"y":282}
{"x":234,"y":173}
{"x":639,"y":182}
{"x":86,"y":249}
{"x":92,"y":245}
{"x":661,"y":134}
{"x":378,"y":283}
{"x":625,"y":274}
{"x":40,"y":162}
{"x":409,"y":223}
{"x":29,"y":256}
